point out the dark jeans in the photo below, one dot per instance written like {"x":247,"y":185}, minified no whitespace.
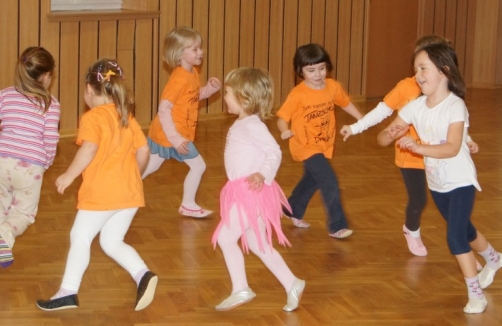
{"x":416,"y":187}
{"x":456,"y":208}
{"x":318,"y":174}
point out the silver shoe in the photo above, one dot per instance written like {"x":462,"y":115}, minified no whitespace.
{"x":236,"y":299}
{"x":294,"y":295}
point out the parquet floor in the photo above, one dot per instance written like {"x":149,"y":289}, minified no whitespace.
{"x":367,"y":279}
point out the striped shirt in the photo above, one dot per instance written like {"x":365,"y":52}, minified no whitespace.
{"x":27,"y":133}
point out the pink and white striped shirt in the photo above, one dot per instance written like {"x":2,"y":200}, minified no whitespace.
{"x":27,"y":133}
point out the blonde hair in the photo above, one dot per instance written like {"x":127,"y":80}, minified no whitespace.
{"x":106,"y":78}
{"x":33,"y":63}
{"x":176,"y":42}
{"x":253,"y":89}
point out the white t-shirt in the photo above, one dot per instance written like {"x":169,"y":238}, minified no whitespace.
{"x":431,"y":124}
{"x":251,"y":148}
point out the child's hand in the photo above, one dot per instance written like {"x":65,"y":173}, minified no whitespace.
{"x":214,"y":82}
{"x":287,"y":134}
{"x":63,"y":181}
{"x":255,"y":181}
{"x":397,"y":131}
{"x":183,"y":148}
{"x":408,"y":143}
{"x":346,"y":132}
{"x":473,"y":147}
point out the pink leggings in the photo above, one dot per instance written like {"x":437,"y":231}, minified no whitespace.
{"x":228,"y":241}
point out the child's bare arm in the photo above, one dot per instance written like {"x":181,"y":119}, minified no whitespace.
{"x":284,"y":129}
{"x":395,"y":130}
{"x":83,"y":158}
{"x":142,"y":157}
{"x":353,"y":111}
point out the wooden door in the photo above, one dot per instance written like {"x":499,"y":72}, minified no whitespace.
{"x":392,"y":33}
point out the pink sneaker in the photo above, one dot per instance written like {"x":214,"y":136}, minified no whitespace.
{"x":340,"y":234}
{"x":299,"y":223}
{"x":197,"y":213}
{"x":415,"y":245}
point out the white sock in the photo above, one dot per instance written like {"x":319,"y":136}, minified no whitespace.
{"x":415,"y":234}
{"x":63,"y":293}
{"x":491,"y":256}
{"x":473,"y":288}
{"x":139,"y":275}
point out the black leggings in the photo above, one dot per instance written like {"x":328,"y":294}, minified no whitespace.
{"x":416,"y":187}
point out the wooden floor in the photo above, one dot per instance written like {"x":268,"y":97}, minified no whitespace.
{"x":368,"y":279}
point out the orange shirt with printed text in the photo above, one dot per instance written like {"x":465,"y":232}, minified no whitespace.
{"x":112,"y":180}
{"x":312,"y":116}
{"x":404,"y":92}
{"x":182,"y":90}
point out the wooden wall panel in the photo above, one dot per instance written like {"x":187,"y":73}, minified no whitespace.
{"x":275,"y":62}
{"x":304,"y":22}
{"x":125,"y":50}
{"x":331,"y":39}
{"x":108,"y":39}
{"x":439,"y":17}
{"x":184,"y":11}
{"x":201,"y":24}
{"x":355,"y":85}
{"x":289,"y":46}
{"x":246,"y":37}
{"x":425,"y":17}
{"x":9,"y":41}
{"x":215,"y":52}
{"x":318,"y":21}
{"x":88,"y":55}
{"x":143,"y":70}
{"x":450,"y":19}
{"x":68,"y":76}
{"x":343,"y":46}
{"x":231,"y":37}
{"x":262,"y":33}
{"x":28,"y":35}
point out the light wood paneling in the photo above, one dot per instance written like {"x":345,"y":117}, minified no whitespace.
{"x":289,"y":46}
{"x":69,"y":76}
{"x":89,"y":34}
{"x":275,"y":48}
{"x":246,"y":33}
{"x":143,"y":70}
{"x":28,"y":36}
{"x":231,"y":36}
{"x":304,"y":22}
{"x":215,"y":51}
{"x":8,"y":41}
{"x":261,"y":33}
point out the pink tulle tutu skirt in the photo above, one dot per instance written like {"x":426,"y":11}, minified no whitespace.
{"x":265,"y":204}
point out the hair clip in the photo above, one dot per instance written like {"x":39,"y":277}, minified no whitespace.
{"x":105,"y":76}
{"x":116,"y":65}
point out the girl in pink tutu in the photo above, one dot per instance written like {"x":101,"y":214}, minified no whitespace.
{"x":250,"y":202}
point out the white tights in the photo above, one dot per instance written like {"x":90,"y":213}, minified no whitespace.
{"x":228,"y":241}
{"x":192,"y":180}
{"x":113,"y":226}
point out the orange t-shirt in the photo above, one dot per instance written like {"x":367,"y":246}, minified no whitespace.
{"x":182,"y":90}
{"x":312,"y":116}
{"x":405,"y":91}
{"x":112,"y":180}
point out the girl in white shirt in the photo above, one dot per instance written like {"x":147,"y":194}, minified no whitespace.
{"x":250,"y":202}
{"x":441,"y":120}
